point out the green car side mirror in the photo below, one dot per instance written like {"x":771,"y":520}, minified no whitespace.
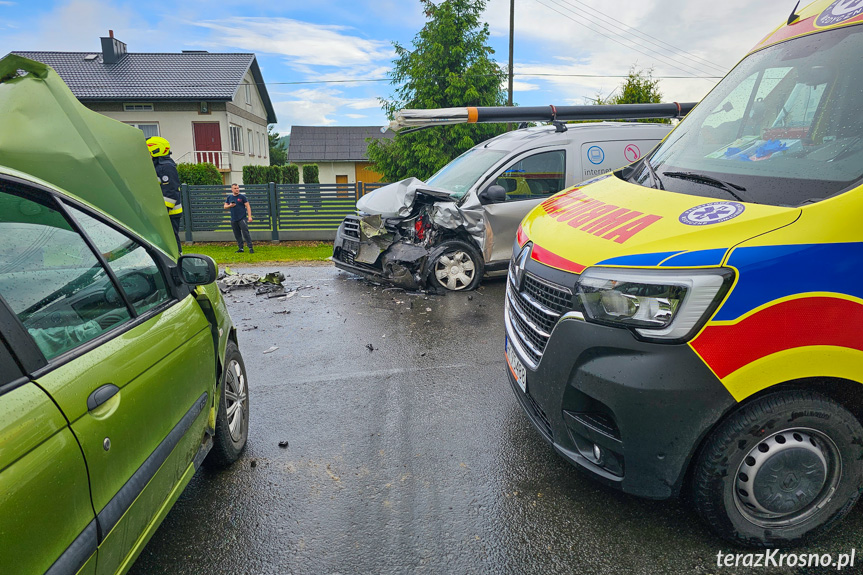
{"x":197,"y":269}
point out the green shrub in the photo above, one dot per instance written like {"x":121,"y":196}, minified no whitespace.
{"x":310,"y":174}
{"x":290,"y":174}
{"x":205,"y":174}
{"x":254,"y":175}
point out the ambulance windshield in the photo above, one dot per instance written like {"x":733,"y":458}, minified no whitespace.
{"x":785,"y":127}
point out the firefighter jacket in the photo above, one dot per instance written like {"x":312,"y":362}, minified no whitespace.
{"x":169,"y":179}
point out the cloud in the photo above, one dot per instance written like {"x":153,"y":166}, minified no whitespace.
{"x":571,"y":37}
{"x":301,"y":43}
{"x":323,"y":107}
{"x":5,"y":3}
{"x":521,"y":86}
{"x":77,"y":25}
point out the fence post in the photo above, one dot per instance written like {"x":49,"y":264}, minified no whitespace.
{"x":187,"y":211}
{"x":274,"y":212}
{"x":359,"y":192}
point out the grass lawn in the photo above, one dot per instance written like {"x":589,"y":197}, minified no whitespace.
{"x":224,"y":253}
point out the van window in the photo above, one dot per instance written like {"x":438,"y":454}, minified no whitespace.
{"x":783,"y":128}
{"x":536,"y":176}
{"x":459,"y":175}
{"x":50,"y":278}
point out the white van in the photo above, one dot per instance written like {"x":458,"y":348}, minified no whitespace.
{"x":462,"y":223}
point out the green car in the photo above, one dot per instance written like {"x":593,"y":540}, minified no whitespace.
{"x":119,"y":367}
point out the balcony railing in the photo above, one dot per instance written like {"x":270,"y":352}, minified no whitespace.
{"x":222,"y":160}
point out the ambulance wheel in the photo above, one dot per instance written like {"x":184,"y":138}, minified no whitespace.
{"x":232,"y":419}
{"x":456,"y":266}
{"x":784,"y":468}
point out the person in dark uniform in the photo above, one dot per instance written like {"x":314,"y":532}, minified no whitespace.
{"x":241,"y":212}
{"x":169,"y":180}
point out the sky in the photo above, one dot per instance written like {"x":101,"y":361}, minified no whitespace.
{"x":325,"y":62}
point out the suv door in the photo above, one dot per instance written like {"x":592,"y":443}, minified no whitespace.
{"x":527,"y":182}
{"x":130,"y":364}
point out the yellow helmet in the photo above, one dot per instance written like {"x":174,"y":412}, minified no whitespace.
{"x":158,"y":146}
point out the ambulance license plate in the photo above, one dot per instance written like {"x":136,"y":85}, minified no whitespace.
{"x":516,"y":367}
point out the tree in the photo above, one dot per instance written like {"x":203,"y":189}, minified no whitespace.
{"x":639,"y":87}
{"x":278,"y":153}
{"x":450,"y":66}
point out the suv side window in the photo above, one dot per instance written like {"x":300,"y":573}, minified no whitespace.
{"x":537,"y":176}
{"x":137,"y":272}
{"x":50,"y":278}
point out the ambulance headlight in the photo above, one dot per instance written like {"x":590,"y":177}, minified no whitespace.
{"x":657,"y":304}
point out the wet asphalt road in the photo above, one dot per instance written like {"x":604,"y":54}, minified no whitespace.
{"x":412,"y":458}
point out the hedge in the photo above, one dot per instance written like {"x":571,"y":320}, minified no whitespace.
{"x":310,"y":174}
{"x":289,"y":174}
{"x":205,"y":174}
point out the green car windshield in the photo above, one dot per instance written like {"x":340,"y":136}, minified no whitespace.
{"x":458,"y":176}
{"x":784,"y":128}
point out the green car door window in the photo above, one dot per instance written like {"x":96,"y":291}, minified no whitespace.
{"x":50,"y":278}
{"x":137,"y":272}
{"x":9,"y":370}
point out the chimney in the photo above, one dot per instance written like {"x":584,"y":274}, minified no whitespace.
{"x":112,"y":49}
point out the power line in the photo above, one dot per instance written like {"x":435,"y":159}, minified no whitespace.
{"x":654,"y":54}
{"x":619,"y":38}
{"x":625,"y":76}
{"x":651,"y":39}
{"x":367,"y":80}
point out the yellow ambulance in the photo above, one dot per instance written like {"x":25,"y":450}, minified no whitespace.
{"x":693,"y":322}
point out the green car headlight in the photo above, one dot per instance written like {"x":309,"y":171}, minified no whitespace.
{"x":660,"y":304}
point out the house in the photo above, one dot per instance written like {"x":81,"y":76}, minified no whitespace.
{"x":341,"y":153}
{"x":211,"y":107}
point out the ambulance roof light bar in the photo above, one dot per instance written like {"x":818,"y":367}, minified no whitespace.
{"x":447,"y":116}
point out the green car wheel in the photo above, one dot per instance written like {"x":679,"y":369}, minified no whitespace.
{"x":232,"y":420}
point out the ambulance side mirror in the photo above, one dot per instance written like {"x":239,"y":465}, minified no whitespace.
{"x":493,"y":194}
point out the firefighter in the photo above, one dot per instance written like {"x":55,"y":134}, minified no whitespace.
{"x":169,"y":179}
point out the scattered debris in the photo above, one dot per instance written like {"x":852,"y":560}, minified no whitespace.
{"x":370,"y":347}
{"x":284,"y":311}
{"x":250,"y":328}
{"x":470,"y":298}
{"x":272,"y":349}
{"x":283,"y":444}
{"x":253,"y":463}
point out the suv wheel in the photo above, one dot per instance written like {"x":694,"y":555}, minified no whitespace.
{"x":232,"y":420}
{"x":456,"y":266}
{"x":784,"y":468}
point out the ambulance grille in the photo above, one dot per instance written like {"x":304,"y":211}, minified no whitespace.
{"x":534,"y":311}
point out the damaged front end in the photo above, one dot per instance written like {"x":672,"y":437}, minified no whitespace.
{"x":395,"y":236}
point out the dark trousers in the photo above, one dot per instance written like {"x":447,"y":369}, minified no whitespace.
{"x":240,"y":227}
{"x":175,"y":223}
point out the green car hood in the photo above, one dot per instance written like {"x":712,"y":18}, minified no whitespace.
{"x":47,"y":133}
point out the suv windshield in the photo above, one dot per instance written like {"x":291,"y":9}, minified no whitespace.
{"x":459,"y":175}
{"x":783,"y":128}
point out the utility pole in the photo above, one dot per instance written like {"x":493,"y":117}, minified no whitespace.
{"x":511,"y":36}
